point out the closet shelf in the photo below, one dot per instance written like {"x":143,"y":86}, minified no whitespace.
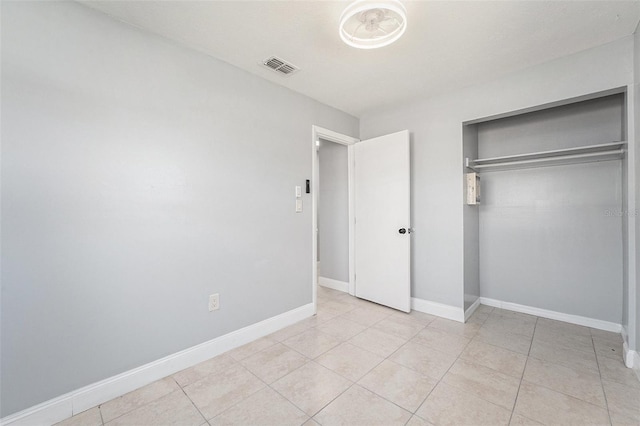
{"x":581,"y":154}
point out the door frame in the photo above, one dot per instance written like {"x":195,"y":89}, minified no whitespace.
{"x":318,"y":133}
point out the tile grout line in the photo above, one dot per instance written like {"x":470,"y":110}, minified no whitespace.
{"x":335,"y":372}
{"x":190,"y":400}
{"x":458,"y":357}
{"x":287,"y":399}
{"x":606,"y":401}
{"x":561,"y":392}
{"x":567,"y":395}
{"x":141,"y":406}
{"x":341,"y":341}
{"x":515,"y":401}
{"x":239,"y":361}
{"x":322,"y":353}
{"x":353,"y":383}
{"x":507,"y":332}
{"x":100,"y":411}
{"x":329,"y":403}
{"x":243,"y":399}
{"x":441,"y":378}
{"x":366,"y":350}
{"x":293,"y":335}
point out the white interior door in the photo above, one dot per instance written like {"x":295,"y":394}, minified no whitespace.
{"x":382,"y":206}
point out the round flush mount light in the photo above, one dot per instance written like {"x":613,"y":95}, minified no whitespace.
{"x":367,"y":24}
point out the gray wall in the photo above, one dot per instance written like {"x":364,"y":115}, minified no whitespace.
{"x":138,"y":177}
{"x":435,"y":125}
{"x":471,"y":223}
{"x":333,"y":211}
{"x":551,"y":237}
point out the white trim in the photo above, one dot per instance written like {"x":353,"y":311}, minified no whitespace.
{"x":559,"y":316}
{"x":471,"y":309}
{"x":330,"y":135}
{"x":74,"y":402}
{"x":438,"y":309}
{"x":333,"y":284}
{"x":351,"y":158}
{"x":48,"y":413}
{"x":318,"y":133}
{"x":631,"y":357}
{"x":633,"y":203}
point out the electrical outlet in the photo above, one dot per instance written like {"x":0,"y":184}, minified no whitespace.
{"x":214,"y":302}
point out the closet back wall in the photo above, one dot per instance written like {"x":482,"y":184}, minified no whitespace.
{"x":551,"y":237}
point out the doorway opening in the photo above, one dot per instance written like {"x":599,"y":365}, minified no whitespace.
{"x":333,"y":212}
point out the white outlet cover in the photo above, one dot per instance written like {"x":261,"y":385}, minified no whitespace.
{"x":214,"y":302}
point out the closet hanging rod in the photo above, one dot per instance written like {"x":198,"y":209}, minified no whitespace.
{"x":556,"y":152}
{"x":607,"y":151}
{"x":557,"y":160}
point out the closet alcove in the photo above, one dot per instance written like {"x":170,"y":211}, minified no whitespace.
{"x":548,"y":231}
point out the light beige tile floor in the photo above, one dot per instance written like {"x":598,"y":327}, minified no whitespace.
{"x":358,"y":363}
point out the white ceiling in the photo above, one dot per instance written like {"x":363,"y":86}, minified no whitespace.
{"x":448,"y":44}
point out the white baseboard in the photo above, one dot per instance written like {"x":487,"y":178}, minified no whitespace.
{"x":437,"y":309}
{"x":631,"y":357}
{"x":64,"y":406}
{"x":560,"y":316}
{"x":333,"y":284}
{"x":471,"y":309}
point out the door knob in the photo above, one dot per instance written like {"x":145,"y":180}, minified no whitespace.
{"x":402,"y":231}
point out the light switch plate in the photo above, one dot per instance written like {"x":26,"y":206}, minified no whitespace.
{"x":298,"y":191}
{"x":298,"y":206}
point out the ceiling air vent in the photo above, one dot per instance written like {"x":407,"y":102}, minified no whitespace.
{"x":279,"y":65}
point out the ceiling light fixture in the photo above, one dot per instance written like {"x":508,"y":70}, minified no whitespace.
{"x":368,"y":24}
